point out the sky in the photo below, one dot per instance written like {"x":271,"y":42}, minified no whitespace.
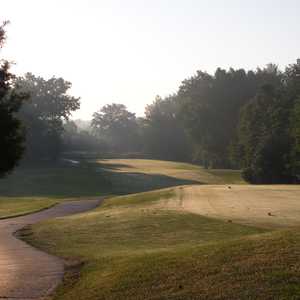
{"x":129,"y":51}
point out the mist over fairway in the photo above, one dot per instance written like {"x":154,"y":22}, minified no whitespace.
{"x":182,"y":179}
{"x":187,"y":242}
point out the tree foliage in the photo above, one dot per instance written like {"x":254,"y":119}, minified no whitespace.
{"x":11,"y":131}
{"x":231,"y":119}
{"x":43,"y":114}
{"x":210,"y":108}
{"x":163,"y":134}
{"x":264,"y":138}
{"x":117,"y":126}
{"x":76,"y":139}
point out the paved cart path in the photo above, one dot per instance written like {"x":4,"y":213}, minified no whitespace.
{"x":25,"y":272}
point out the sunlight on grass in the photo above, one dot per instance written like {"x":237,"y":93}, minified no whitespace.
{"x":11,"y":207}
{"x":177,"y":170}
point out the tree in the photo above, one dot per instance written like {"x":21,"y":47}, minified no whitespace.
{"x":76,"y":139}
{"x":265,"y":138}
{"x":295,"y":132}
{"x":210,"y":106}
{"x":164,"y":135}
{"x":43,"y":114}
{"x":11,"y":131}
{"x":292,"y":80}
{"x":117,"y":126}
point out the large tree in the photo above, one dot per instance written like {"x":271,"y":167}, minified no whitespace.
{"x":269,"y":132}
{"x":164,"y":135}
{"x":44,"y":113}
{"x":292,"y":80}
{"x":11,"y":131}
{"x":265,"y":139}
{"x":295,"y":133}
{"x":117,"y":126}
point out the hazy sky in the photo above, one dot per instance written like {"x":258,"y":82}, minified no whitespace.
{"x":128,"y":51}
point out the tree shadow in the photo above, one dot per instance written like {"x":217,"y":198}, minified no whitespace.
{"x":111,"y":166}
{"x":84,"y":180}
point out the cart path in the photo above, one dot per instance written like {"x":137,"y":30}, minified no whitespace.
{"x":27,"y":273}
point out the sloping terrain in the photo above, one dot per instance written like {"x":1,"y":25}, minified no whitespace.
{"x":264,"y":206}
{"x":176,"y":170}
{"x":206,"y":235}
{"x":27,"y":273}
{"x":143,"y":247}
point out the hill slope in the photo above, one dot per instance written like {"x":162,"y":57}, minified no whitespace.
{"x":139,"y":247}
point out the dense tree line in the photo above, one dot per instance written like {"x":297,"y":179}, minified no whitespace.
{"x":247,"y":120}
{"x":80,"y":139}
{"x":210,"y":106}
{"x":157,"y":135}
{"x":268,"y":132}
{"x":231,"y":119}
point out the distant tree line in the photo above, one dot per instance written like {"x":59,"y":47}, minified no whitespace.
{"x":236,"y":119}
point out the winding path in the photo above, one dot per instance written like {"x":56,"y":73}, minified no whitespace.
{"x":27,"y":273}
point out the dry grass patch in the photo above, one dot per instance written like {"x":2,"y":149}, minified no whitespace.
{"x":272,"y":206}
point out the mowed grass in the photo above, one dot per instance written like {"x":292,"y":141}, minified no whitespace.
{"x":98,"y":177}
{"x":56,"y":181}
{"x":31,"y":188}
{"x":143,"y":246}
{"x":176,"y":170}
{"x":133,"y":248}
{"x":12,"y":207}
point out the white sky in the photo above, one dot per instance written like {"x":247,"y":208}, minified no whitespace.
{"x":131,"y":50}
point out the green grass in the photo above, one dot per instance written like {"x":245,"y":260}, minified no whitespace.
{"x":139,"y":247}
{"x":227,"y":176}
{"x":62,"y":181}
{"x":173,"y":170}
{"x":115,"y":176}
{"x":12,"y":207}
{"x":56,"y":181}
{"x":133,"y":248}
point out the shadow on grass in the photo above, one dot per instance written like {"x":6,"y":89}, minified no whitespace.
{"x":111,"y":166}
{"x":84,"y":180}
